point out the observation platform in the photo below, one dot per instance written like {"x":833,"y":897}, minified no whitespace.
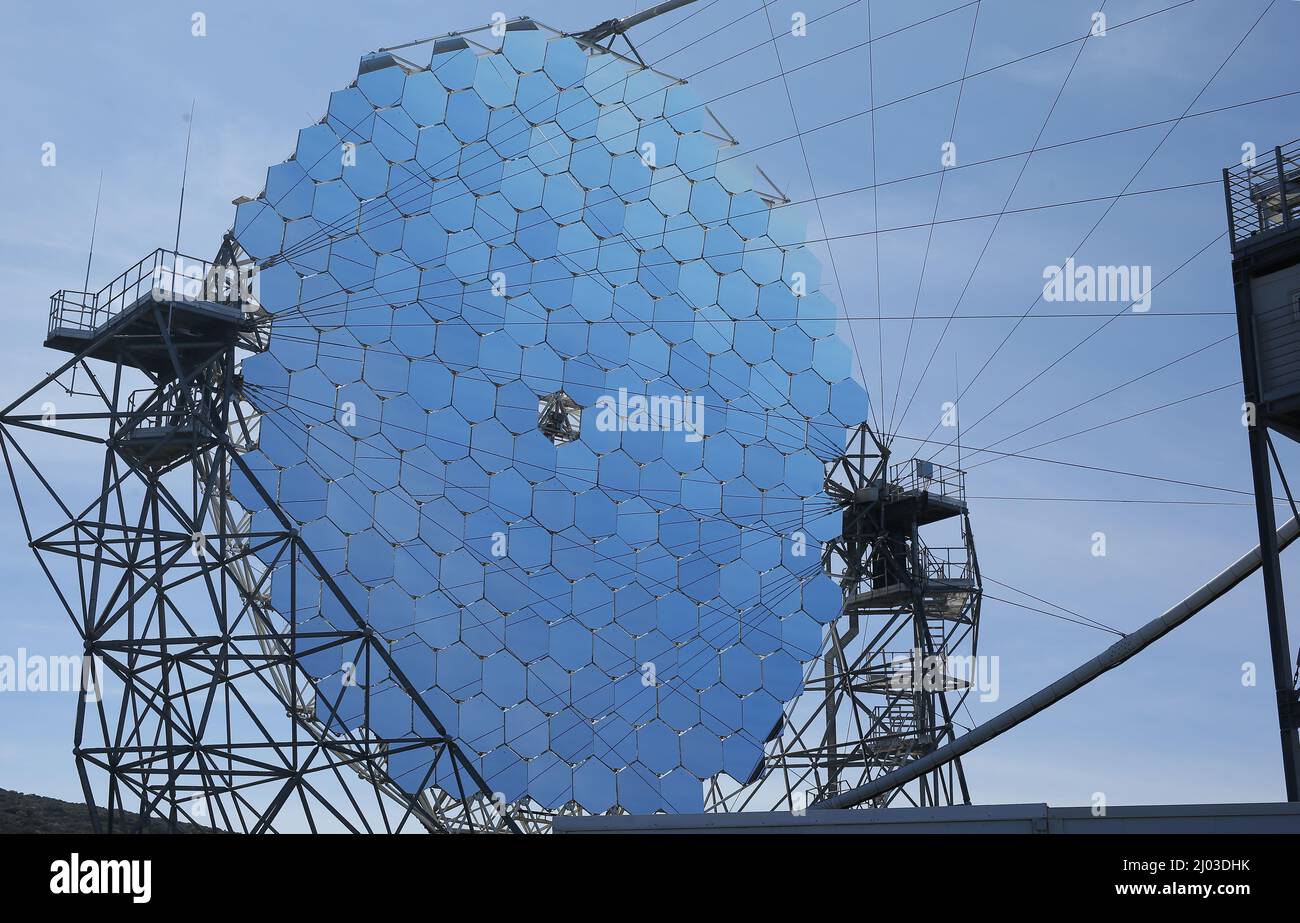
{"x":934,"y":592}
{"x":897,"y":748}
{"x":1264,"y":200}
{"x":883,"y":679}
{"x":1264,"y":228}
{"x":922,"y":492}
{"x":944,"y":584}
{"x":161,"y":444}
{"x":199,"y":311}
{"x":172,"y":317}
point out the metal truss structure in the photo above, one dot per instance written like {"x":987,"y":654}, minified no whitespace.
{"x":1263,"y":206}
{"x":196,"y":710}
{"x":898,"y":664}
{"x":611,"y":29}
{"x":559,"y":417}
{"x":204,"y":706}
{"x":164,"y":578}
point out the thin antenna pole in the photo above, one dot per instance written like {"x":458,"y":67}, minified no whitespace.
{"x":185,"y":172}
{"x":94,"y":226}
{"x":956,"y":407}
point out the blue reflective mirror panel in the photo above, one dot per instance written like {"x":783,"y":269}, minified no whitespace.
{"x":551,"y":389}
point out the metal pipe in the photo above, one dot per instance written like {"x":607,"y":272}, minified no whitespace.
{"x":612,"y":27}
{"x":1108,"y":659}
{"x":657,"y":10}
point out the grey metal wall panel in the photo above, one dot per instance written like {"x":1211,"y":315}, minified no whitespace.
{"x":1277,"y":332}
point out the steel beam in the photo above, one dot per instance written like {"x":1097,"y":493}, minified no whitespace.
{"x":1107,"y":660}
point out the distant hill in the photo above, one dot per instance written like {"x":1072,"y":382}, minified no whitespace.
{"x":21,"y":813}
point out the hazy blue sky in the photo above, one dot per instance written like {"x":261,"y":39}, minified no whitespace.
{"x":110,"y":85}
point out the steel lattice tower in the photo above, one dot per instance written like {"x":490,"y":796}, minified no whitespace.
{"x":223,"y":718}
{"x":1263,"y":203}
{"x":195,"y":710}
{"x":885,"y":692}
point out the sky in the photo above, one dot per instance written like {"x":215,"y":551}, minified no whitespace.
{"x":1130,"y":131}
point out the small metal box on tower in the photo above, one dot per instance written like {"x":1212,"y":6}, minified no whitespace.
{"x":1264,"y":224}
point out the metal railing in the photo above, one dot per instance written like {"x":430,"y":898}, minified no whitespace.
{"x":1264,"y":198}
{"x":916,"y":475}
{"x":151,"y":410}
{"x":946,"y":565}
{"x":936,"y":568}
{"x":163,"y":273}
